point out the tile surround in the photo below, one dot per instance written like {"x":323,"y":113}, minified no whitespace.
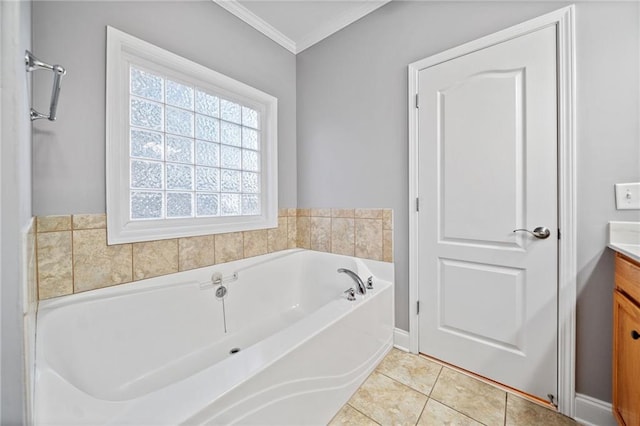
{"x":55,"y":266}
{"x":255,"y":243}
{"x":155,"y":258}
{"x":72,"y":255}
{"x":229,"y":247}
{"x":97,"y":265}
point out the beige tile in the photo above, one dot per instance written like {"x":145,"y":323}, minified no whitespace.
{"x":343,"y":213}
{"x":229,"y":247}
{"x":255,"y":242}
{"x":320,"y":212}
{"x":196,"y":252}
{"x":155,"y":258}
{"x":350,"y":416}
{"x":471,"y":397}
{"x":387,"y":245}
{"x":282,"y":212}
{"x":436,"y":414}
{"x":387,"y":219}
{"x":304,"y":212}
{"x":97,"y":265}
{"x":292,"y":212}
{"x":31,"y":263}
{"x":55,"y":264}
{"x":53,"y":223}
{"x":89,"y":221}
{"x":321,"y":234}
{"x":343,"y":236}
{"x":303,"y":238}
{"x":369,"y":238}
{"x":387,"y":401}
{"x":277,"y":237}
{"x":409,"y":369}
{"x":369,"y":213}
{"x":292,"y":231}
{"x":521,"y":412}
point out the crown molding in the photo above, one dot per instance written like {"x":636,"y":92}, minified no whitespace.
{"x":235,"y":8}
{"x":348,"y":17}
{"x":338,"y":23}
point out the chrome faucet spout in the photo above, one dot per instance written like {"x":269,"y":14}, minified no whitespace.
{"x":360,"y":287}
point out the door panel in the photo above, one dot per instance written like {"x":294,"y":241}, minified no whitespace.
{"x":464,"y":113}
{"x":464,"y":284}
{"x":487,"y":132}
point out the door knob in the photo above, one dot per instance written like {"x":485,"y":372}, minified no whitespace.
{"x":540,"y":232}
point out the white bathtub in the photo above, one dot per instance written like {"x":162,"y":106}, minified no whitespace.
{"x":156,"y":351}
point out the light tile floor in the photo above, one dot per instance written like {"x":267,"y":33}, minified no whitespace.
{"x":407,"y":389}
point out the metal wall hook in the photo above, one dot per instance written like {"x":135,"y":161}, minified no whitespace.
{"x":33,"y":64}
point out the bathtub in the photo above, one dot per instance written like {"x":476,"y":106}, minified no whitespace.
{"x":282,"y":346}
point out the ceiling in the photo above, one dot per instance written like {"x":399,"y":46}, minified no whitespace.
{"x":299,"y":24}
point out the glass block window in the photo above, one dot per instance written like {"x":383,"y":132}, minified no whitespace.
{"x":189,"y":151}
{"x":193,"y":153}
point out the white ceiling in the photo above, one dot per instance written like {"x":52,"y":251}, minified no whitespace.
{"x":299,"y":24}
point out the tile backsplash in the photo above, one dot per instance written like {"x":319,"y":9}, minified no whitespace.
{"x":73,"y":255}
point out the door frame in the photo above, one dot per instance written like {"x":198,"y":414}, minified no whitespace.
{"x":564,"y":21}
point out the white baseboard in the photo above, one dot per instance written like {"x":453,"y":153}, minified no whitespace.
{"x":401,"y":339}
{"x":593,"y":412}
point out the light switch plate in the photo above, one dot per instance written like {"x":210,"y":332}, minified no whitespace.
{"x":628,"y":196}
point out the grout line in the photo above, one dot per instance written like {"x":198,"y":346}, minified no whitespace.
{"x":369,"y":417}
{"x":422,"y":411}
{"x":504,"y":419}
{"x":459,"y":412}
{"x":400,"y":383}
{"x":435,"y":381}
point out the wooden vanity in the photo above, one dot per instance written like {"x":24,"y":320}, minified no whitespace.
{"x":626,"y":341}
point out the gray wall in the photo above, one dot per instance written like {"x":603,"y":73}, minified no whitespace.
{"x":15,"y":198}
{"x":69,"y":155}
{"x":353,"y":141}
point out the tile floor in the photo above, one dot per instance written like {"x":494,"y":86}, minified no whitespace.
{"x":407,"y":389}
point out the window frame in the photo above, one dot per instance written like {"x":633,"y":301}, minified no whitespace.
{"x":123,"y":50}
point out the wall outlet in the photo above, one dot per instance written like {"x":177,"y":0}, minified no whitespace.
{"x":628,"y":196}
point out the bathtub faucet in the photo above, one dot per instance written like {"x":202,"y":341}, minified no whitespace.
{"x":360,"y":287}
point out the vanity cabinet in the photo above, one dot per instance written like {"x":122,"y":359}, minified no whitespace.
{"x":626,"y":342}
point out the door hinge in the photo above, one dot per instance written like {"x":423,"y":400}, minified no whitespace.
{"x":558,"y":233}
{"x":417,"y":104}
{"x":418,"y":307}
{"x":417,"y":204}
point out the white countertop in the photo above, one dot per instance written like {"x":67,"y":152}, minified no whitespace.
{"x":624,"y":237}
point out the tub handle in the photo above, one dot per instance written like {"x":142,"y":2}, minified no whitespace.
{"x":370,"y":283}
{"x":351,"y":294}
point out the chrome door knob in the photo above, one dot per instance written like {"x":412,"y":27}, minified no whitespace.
{"x":539,"y":232}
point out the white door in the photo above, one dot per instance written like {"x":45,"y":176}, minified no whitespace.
{"x":487,"y":135}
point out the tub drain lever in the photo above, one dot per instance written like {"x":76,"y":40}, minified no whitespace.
{"x":221,"y":292}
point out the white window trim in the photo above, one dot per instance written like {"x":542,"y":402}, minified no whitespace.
{"x":121,"y":47}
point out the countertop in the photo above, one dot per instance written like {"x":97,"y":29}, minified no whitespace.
{"x":624,"y":237}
